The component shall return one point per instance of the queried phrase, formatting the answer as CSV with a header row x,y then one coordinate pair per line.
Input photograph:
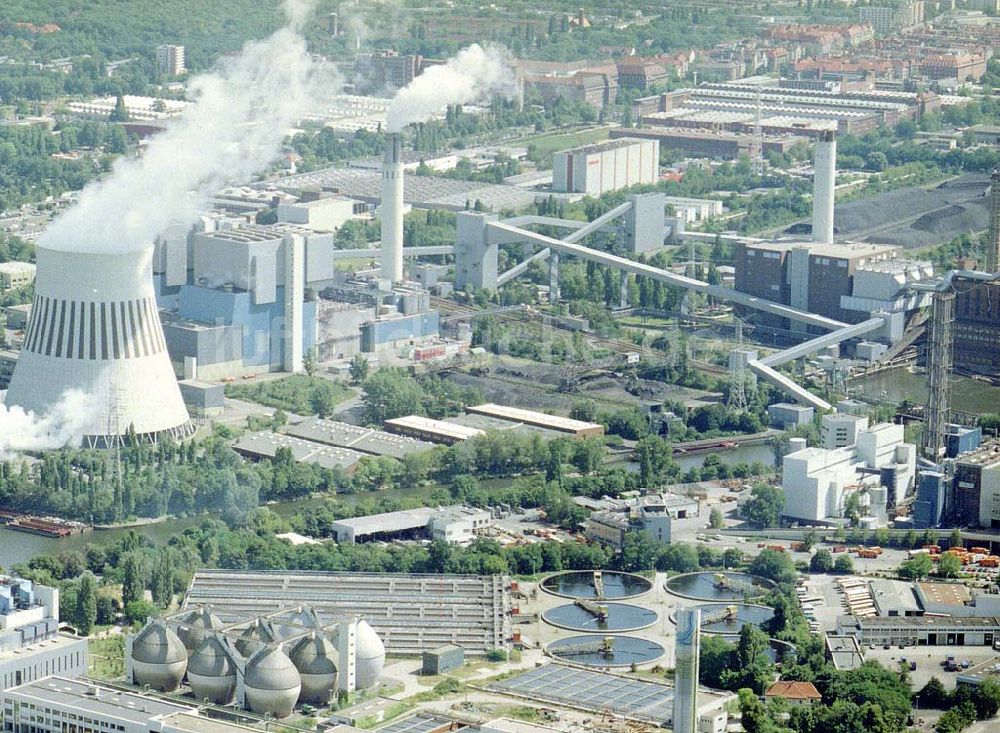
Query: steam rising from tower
x,y
473,75
824,183
94,343
392,209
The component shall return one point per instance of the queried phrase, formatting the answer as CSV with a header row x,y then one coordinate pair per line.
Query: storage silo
x,y
158,657
369,656
314,656
271,684
211,672
95,328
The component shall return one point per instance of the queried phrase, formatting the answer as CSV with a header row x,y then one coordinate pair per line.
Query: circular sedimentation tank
x,y
212,673
597,650
159,658
614,585
600,616
723,618
719,587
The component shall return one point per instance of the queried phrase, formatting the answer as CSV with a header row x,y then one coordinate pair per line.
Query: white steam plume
x,y
241,113
468,77
62,425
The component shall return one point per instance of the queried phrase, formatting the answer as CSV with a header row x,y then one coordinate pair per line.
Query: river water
x,y
967,395
17,547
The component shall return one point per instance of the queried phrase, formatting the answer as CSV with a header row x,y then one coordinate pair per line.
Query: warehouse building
x,y
456,525
360,439
265,444
575,428
410,612
435,431
894,598
697,143
607,166
921,630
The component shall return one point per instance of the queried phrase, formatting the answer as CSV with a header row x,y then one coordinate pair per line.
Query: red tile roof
x,y
794,691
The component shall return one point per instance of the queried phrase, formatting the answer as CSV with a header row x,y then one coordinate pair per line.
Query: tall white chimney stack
x,y
392,209
824,182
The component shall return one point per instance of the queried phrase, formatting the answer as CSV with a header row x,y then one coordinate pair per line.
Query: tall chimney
x,y
991,262
392,209
824,181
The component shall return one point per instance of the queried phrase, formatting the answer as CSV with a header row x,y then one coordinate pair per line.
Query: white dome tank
x,y
194,630
159,659
254,637
369,655
95,328
315,657
212,673
272,683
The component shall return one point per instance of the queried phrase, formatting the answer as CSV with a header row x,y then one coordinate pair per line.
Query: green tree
x,y
715,518
86,605
916,568
949,566
358,369
821,562
843,565
764,507
310,362
163,581
132,579
137,612
955,538
120,113
986,698
775,565
933,695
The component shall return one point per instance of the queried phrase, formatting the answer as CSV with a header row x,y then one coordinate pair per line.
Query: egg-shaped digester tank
x,y
197,627
159,658
315,657
212,673
272,683
369,656
254,637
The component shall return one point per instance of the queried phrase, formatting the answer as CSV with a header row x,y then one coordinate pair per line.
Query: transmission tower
x,y
939,343
741,382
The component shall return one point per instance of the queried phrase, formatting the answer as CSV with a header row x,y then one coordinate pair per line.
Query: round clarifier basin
x,y
718,587
596,650
583,584
729,618
600,617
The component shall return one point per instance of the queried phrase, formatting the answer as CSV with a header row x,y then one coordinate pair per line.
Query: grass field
x,y
544,145
107,657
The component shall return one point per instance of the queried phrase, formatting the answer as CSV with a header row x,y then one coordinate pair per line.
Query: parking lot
x,y
930,660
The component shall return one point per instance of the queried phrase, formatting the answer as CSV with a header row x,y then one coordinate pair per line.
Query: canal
x,y
967,395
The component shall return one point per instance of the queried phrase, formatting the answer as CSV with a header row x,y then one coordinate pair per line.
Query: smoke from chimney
x,y
470,76
241,113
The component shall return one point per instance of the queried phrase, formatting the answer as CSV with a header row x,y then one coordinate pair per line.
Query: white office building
x,y
170,60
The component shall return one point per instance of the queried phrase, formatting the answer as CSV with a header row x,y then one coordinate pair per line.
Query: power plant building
x,y
607,166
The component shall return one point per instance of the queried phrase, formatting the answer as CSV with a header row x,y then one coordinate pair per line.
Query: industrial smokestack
x,y
95,329
295,277
991,262
824,182
392,209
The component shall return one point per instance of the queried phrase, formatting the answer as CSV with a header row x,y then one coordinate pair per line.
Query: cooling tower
x,y
94,327
391,211
824,184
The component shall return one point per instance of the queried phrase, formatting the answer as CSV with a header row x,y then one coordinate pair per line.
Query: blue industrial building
x,y
931,495
961,439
